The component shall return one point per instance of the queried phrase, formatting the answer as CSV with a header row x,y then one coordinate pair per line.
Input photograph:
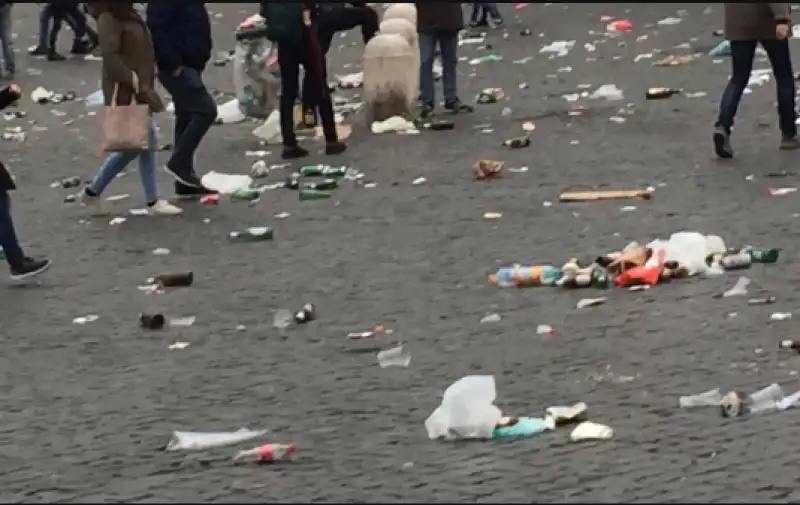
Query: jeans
x,y
8,237
448,44
342,19
116,162
742,53
195,112
482,10
6,40
289,59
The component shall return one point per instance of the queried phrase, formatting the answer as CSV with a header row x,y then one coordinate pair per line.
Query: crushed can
x,y
268,453
178,280
732,404
306,314
490,95
517,143
151,321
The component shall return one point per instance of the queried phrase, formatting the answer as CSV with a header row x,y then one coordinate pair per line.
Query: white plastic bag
x,y
226,184
467,410
197,441
256,76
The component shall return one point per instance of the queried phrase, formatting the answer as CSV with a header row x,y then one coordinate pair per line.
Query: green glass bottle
x,y
245,195
314,194
761,255
255,234
600,279
323,185
322,170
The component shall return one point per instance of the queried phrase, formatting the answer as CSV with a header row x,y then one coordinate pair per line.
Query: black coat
x,y
7,97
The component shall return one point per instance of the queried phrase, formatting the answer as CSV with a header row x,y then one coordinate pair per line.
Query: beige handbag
x,y
126,128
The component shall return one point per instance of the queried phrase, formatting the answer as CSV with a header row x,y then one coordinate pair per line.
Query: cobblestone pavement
x,y
86,410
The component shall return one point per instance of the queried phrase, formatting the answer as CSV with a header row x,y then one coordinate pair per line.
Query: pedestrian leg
x,y
742,52
6,39
781,60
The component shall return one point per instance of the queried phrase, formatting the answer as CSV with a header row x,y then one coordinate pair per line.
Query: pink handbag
x,y
126,128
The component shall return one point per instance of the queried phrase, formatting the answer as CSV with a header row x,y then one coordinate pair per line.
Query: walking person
x,y
292,26
335,17
51,20
438,24
181,34
21,266
129,72
7,41
482,12
746,26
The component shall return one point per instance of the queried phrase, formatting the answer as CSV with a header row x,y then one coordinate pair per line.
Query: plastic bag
x,y
256,76
467,410
197,441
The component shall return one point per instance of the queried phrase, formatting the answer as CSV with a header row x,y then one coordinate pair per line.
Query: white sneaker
x,y
93,203
164,208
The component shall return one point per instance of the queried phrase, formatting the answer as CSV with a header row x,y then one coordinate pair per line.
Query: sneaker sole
x,y
179,178
28,275
719,147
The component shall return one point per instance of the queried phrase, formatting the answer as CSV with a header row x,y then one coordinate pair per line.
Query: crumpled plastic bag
x,y
230,112
226,183
270,131
467,410
690,250
198,441
256,76
608,92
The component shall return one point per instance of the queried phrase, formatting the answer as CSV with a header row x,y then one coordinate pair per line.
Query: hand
x,y
783,31
177,72
15,89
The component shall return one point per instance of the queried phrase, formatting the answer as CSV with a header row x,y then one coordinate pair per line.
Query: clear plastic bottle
x,y
268,453
711,398
765,399
526,276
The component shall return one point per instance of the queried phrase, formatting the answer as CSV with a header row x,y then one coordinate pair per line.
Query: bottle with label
x,y
600,278
322,170
245,195
526,276
314,194
762,255
323,185
255,234
736,261
661,93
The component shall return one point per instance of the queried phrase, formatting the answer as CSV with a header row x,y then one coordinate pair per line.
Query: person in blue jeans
x,y
482,11
746,26
181,34
51,18
438,24
128,75
21,266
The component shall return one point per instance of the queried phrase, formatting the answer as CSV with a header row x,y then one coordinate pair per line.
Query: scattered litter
x,y
178,346
781,316
86,319
604,194
781,191
591,302
394,357
588,430
543,329
269,453
182,322
282,319
608,92
198,441
490,318
711,398
739,289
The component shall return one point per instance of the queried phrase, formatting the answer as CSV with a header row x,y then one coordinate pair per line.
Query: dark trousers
x,y
742,53
72,14
339,20
8,236
482,10
195,112
290,57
